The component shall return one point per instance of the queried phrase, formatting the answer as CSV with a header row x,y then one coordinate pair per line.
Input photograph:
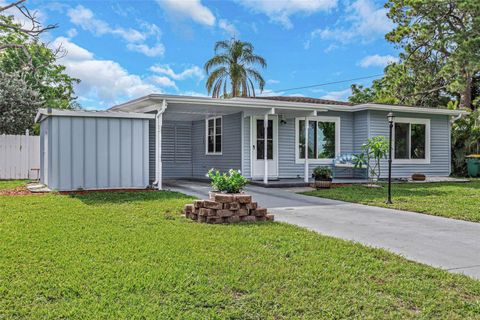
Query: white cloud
x,y
85,19
341,95
377,61
272,81
365,22
280,10
192,9
71,33
155,51
104,81
192,72
228,27
164,82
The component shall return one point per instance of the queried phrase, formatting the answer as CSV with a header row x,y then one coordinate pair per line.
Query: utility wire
x,y
328,83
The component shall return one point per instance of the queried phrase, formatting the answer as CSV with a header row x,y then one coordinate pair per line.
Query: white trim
x,y
410,121
158,145
242,143
144,103
253,155
44,113
337,122
214,136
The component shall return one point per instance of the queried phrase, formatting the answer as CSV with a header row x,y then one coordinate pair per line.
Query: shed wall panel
x,y
98,153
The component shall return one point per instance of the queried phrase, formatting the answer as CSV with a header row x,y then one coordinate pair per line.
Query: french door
x,y
258,147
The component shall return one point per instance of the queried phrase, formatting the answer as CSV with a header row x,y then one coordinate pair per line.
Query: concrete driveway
x,y
449,244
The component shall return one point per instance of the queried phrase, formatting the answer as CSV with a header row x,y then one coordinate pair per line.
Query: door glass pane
x,y
326,140
260,129
312,145
270,149
301,139
270,129
417,137
218,124
401,140
260,149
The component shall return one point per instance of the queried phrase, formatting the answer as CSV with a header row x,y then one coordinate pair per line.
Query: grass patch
x,y
131,255
451,200
11,184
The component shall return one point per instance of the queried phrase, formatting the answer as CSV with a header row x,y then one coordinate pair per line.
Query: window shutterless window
x,y
323,138
213,135
411,140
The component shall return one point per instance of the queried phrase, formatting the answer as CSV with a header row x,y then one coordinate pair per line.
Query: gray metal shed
x,y
89,150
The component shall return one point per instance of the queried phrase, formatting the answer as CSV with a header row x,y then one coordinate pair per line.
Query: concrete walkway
x,y
453,245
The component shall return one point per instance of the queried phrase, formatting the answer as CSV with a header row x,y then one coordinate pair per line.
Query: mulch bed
x,y
17,191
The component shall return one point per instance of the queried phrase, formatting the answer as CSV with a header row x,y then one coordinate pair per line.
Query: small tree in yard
x,y
372,153
18,103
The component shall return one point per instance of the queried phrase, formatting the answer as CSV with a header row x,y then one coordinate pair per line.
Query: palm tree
x,y
234,64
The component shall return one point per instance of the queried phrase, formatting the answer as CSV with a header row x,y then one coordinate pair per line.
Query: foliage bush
x,y
320,173
373,151
228,182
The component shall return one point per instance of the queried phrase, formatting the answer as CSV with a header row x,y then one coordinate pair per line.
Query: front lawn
x,y
451,200
10,184
132,256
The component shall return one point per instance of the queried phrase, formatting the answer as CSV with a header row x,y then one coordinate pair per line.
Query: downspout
x,y
158,144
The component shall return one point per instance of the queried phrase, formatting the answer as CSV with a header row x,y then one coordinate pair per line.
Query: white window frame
x,y
411,121
214,135
336,120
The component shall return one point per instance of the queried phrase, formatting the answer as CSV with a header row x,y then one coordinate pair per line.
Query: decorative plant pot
x,y
323,183
418,177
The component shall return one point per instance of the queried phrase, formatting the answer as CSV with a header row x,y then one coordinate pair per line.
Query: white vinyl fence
x,y
19,156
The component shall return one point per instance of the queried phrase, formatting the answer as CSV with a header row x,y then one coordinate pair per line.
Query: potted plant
x,y
323,177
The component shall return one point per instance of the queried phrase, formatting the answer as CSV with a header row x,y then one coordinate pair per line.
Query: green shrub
x,y
231,182
322,173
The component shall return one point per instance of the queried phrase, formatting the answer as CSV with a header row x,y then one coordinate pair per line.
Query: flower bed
x,y
227,208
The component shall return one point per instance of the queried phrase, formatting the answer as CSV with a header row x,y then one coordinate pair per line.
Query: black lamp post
x,y
390,118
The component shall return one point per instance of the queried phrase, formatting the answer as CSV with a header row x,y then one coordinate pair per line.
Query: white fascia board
x,y
44,113
386,107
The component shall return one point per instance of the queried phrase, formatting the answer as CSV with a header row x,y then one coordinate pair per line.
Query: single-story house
x,y
148,140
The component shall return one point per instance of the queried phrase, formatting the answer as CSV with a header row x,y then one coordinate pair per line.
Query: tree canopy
x,y
26,60
232,70
440,58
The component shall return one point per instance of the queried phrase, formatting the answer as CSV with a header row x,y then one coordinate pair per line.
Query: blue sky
x,y
125,49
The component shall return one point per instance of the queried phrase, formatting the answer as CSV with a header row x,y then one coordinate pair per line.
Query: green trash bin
x,y
473,165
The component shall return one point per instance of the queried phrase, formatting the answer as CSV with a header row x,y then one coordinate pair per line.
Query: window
x,y
323,138
214,135
411,140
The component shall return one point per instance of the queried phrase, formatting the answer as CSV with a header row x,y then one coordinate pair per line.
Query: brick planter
x,y
226,208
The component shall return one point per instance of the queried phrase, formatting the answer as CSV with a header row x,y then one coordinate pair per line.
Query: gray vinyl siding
x,y
97,153
231,147
439,145
287,168
360,130
183,148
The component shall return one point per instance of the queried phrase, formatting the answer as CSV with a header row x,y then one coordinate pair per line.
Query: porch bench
x,y
346,161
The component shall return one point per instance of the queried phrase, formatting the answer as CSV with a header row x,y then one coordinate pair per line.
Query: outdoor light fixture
x,y
390,118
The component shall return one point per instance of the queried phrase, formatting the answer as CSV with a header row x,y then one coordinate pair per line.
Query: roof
x,y
42,114
306,100
151,102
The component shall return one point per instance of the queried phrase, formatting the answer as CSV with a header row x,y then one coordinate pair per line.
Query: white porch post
x,y
158,144
305,174
265,144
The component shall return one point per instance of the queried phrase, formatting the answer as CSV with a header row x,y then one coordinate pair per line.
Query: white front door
x,y
258,147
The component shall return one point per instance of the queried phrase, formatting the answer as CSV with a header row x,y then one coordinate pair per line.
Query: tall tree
x,y
440,58
232,71
25,60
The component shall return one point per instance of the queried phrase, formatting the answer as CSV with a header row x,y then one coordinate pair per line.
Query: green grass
x,y
132,256
10,184
451,200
